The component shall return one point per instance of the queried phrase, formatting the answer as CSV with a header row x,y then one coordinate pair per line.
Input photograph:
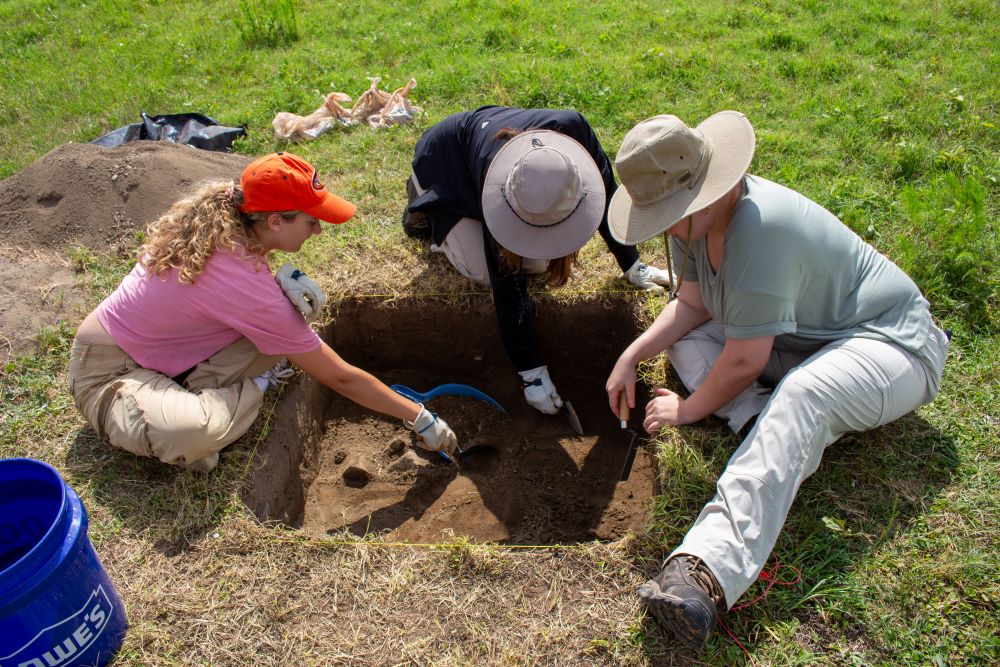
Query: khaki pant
x,y
464,248
148,414
849,385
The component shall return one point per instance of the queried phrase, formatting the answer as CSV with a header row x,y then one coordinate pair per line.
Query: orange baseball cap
x,y
286,182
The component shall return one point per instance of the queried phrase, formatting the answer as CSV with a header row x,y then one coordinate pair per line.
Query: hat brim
x,y
553,241
732,141
332,209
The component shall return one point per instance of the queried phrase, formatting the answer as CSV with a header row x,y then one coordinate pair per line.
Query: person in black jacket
x,y
541,183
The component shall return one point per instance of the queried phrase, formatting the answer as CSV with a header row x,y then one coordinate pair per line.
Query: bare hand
x,y
622,379
666,408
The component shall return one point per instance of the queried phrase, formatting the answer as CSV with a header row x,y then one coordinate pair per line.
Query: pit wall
x,y
579,341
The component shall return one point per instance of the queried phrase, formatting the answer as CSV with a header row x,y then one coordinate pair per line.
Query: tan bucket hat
x,y
669,170
544,196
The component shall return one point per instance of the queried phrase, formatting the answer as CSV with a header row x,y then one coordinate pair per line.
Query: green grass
x,y
268,24
884,113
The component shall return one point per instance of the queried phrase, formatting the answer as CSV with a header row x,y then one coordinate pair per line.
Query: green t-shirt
x,y
792,270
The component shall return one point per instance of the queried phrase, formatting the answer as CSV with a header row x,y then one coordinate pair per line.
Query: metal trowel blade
x,y
477,457
574,421
629,456
474,448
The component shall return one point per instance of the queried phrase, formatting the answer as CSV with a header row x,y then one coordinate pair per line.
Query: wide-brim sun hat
x,y
543,197
669,171
286,182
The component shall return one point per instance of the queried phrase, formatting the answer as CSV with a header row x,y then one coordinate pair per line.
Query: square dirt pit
x,y
330,465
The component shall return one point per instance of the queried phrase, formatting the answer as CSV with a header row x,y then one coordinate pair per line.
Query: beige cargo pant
x,y
849,385
147,413
464,248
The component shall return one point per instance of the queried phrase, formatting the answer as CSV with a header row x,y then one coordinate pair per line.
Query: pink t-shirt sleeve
x,y
252,303
170,327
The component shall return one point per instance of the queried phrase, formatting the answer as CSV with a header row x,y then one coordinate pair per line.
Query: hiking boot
x,y
685,599
416,225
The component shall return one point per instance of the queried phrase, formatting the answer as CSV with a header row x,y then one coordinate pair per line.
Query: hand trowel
x,y
623,413
574,421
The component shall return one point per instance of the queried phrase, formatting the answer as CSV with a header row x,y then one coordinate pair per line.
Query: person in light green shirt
x,y
786,324
790,269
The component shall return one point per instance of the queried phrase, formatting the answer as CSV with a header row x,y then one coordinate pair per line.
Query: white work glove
x,y
539,390
434,433
648,277
301,291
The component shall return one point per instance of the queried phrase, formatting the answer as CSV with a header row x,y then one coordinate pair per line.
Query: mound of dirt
x,y
95,196
88,195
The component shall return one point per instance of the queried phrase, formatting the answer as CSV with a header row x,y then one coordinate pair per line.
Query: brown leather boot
x,y
416,225
685,598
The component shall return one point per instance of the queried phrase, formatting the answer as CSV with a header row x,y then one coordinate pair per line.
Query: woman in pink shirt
x,y
175,362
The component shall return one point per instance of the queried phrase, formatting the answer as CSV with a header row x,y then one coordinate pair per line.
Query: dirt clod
x,y
396,447
408,462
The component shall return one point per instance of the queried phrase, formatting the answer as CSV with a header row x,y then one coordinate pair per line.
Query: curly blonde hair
x,y
187,235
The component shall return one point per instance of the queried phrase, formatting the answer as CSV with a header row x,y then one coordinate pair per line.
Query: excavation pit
x,y
329,465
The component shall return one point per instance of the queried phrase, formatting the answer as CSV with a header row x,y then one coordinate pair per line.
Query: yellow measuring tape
x,y
409,295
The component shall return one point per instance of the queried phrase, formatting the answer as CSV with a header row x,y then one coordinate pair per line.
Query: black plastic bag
x,y
194,129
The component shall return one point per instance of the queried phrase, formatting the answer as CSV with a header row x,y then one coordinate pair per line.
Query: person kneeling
x,y
505,193
174,364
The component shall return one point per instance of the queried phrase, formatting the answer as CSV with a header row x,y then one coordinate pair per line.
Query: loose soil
x,y
330,465
37,288
525,480
82,194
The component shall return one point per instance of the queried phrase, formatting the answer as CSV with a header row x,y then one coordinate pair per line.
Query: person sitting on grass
x,y
541,182
787,325
175,362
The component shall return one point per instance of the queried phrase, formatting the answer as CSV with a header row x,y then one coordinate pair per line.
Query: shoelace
x,y
699,571
276,377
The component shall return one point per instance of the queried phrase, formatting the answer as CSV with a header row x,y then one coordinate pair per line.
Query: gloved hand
x,y
301,291
648,277
435,434
539,390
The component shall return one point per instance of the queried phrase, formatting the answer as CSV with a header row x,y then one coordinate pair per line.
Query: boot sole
x,y
674,615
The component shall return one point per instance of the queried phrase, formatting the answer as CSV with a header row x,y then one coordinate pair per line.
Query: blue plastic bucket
x,y
57,604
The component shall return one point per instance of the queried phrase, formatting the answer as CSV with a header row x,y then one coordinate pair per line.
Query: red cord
x,y
771,577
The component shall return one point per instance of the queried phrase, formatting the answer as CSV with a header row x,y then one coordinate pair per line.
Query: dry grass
x,y
870,109
247,591
371,257
205,583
